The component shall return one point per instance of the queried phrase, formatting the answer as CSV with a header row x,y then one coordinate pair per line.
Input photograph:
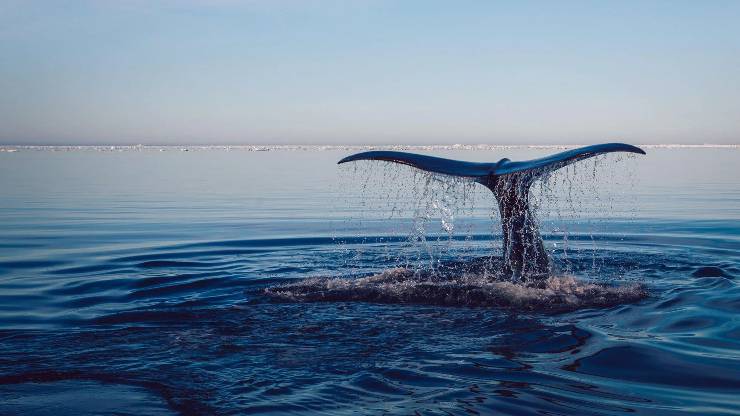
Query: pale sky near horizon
x,y
368,71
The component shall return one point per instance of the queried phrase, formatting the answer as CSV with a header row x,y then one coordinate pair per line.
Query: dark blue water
x,y
143,282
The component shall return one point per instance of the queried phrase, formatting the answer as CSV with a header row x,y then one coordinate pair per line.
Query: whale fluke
x,y
502,167
524,253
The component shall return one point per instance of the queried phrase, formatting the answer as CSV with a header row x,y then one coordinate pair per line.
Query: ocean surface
x,y
245,280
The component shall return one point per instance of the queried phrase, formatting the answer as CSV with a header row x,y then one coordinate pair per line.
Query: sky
x,y
369,72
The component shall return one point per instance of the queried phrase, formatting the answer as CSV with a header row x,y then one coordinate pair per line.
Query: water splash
x,y
581,200
469,288
429,209
433,210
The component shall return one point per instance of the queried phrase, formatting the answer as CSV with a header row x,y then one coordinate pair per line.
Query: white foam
x,y
401,285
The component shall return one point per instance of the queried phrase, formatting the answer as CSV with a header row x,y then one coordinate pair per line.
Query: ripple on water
x,y
709,271
81,398
651,365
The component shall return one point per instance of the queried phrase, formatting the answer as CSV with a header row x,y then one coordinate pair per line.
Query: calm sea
x,y
133,282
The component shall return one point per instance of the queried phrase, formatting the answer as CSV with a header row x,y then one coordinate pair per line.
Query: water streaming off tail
x,y
435,214
451,253
575,204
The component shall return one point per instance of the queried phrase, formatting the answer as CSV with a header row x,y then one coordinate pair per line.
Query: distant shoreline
x,y
287,147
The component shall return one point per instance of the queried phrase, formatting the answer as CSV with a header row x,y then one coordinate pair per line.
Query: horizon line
x,y
257,146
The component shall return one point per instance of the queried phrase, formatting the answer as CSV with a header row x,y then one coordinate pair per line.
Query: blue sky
x,y
369,71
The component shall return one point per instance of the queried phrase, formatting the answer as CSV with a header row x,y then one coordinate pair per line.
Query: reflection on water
x,y
140,278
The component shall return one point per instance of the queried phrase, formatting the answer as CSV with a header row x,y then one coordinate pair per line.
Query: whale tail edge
x,y
481,171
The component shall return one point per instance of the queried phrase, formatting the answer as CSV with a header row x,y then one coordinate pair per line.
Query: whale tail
x,y
482,171
524,253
